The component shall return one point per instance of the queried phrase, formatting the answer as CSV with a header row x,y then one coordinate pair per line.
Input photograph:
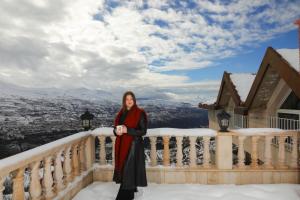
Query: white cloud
x,y
59,43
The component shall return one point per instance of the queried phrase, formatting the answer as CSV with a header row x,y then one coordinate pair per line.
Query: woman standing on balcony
x,y
130,170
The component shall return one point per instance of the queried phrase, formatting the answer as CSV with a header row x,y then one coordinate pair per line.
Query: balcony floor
x,y
108,191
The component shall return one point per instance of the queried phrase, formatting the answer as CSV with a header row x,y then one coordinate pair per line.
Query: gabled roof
x,y
243,88
234,85
282,63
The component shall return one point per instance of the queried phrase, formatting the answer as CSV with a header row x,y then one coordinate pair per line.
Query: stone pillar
x,y
281,152
68,165
224,150
241,152
48,179
113,139
75,162
18,185
35,188
153,154
58,172
2,179
193,154
166,158
90,151
82,160
102,152
268,152
294,159
179,155
254,153
206,154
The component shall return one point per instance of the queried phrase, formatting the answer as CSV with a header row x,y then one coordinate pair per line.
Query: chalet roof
x,y
276,64
247,88
235,85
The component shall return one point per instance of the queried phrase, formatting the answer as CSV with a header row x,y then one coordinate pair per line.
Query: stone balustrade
x,y
60,169
166,133
60,161
271,158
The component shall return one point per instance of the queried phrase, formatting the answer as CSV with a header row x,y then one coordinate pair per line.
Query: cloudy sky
x,y
157,48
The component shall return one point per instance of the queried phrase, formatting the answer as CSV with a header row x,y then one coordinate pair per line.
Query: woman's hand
x,y
124,129
119,132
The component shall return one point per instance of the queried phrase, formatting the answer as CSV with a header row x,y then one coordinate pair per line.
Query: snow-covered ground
x,y
108,191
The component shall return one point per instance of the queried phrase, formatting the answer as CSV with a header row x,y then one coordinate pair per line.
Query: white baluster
x,y
113,140
153,154
18,185
2,179
281,152
68,165
254,156
166,158
48,179
75,161
268,152
179,155
241,152
294,160
82,155
102,152
35,187
58,172
192,154
206,154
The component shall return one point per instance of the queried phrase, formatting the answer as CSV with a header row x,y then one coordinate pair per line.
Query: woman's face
x,y
129,101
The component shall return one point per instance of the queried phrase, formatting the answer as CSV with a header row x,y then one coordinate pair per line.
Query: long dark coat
x,y
134,172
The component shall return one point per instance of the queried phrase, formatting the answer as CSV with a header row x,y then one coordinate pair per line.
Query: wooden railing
x,y
69,164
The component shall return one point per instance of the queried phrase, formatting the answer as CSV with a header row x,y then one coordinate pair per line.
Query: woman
x,y
130,169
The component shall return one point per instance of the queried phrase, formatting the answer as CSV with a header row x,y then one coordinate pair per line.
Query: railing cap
x,y
108,131
262,131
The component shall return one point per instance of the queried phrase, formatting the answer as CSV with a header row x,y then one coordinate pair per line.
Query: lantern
x,y
223,120
86,120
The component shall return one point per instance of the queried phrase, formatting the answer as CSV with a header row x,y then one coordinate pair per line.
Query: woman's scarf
x,y
123,142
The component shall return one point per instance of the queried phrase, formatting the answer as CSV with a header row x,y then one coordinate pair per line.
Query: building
x,y
271,98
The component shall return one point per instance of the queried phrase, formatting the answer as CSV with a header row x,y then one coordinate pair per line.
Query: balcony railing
x,y
60,169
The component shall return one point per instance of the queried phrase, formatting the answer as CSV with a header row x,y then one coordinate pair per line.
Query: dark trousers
x,y
125,194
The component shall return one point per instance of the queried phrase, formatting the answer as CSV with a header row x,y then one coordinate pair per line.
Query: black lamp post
x,y
86,119
223,120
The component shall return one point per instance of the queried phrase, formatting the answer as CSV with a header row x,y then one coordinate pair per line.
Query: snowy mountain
x,y
53,113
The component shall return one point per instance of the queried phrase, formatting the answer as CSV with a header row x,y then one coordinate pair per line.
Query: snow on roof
x,y
292,56
163,131
243,83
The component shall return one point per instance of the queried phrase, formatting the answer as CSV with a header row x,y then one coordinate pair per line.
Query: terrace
x,y
61,169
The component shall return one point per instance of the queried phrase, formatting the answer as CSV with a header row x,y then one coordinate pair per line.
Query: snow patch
x,y
109,190
242,83
292,56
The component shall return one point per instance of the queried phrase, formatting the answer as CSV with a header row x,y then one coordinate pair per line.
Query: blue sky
x,y
249,61
160,49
